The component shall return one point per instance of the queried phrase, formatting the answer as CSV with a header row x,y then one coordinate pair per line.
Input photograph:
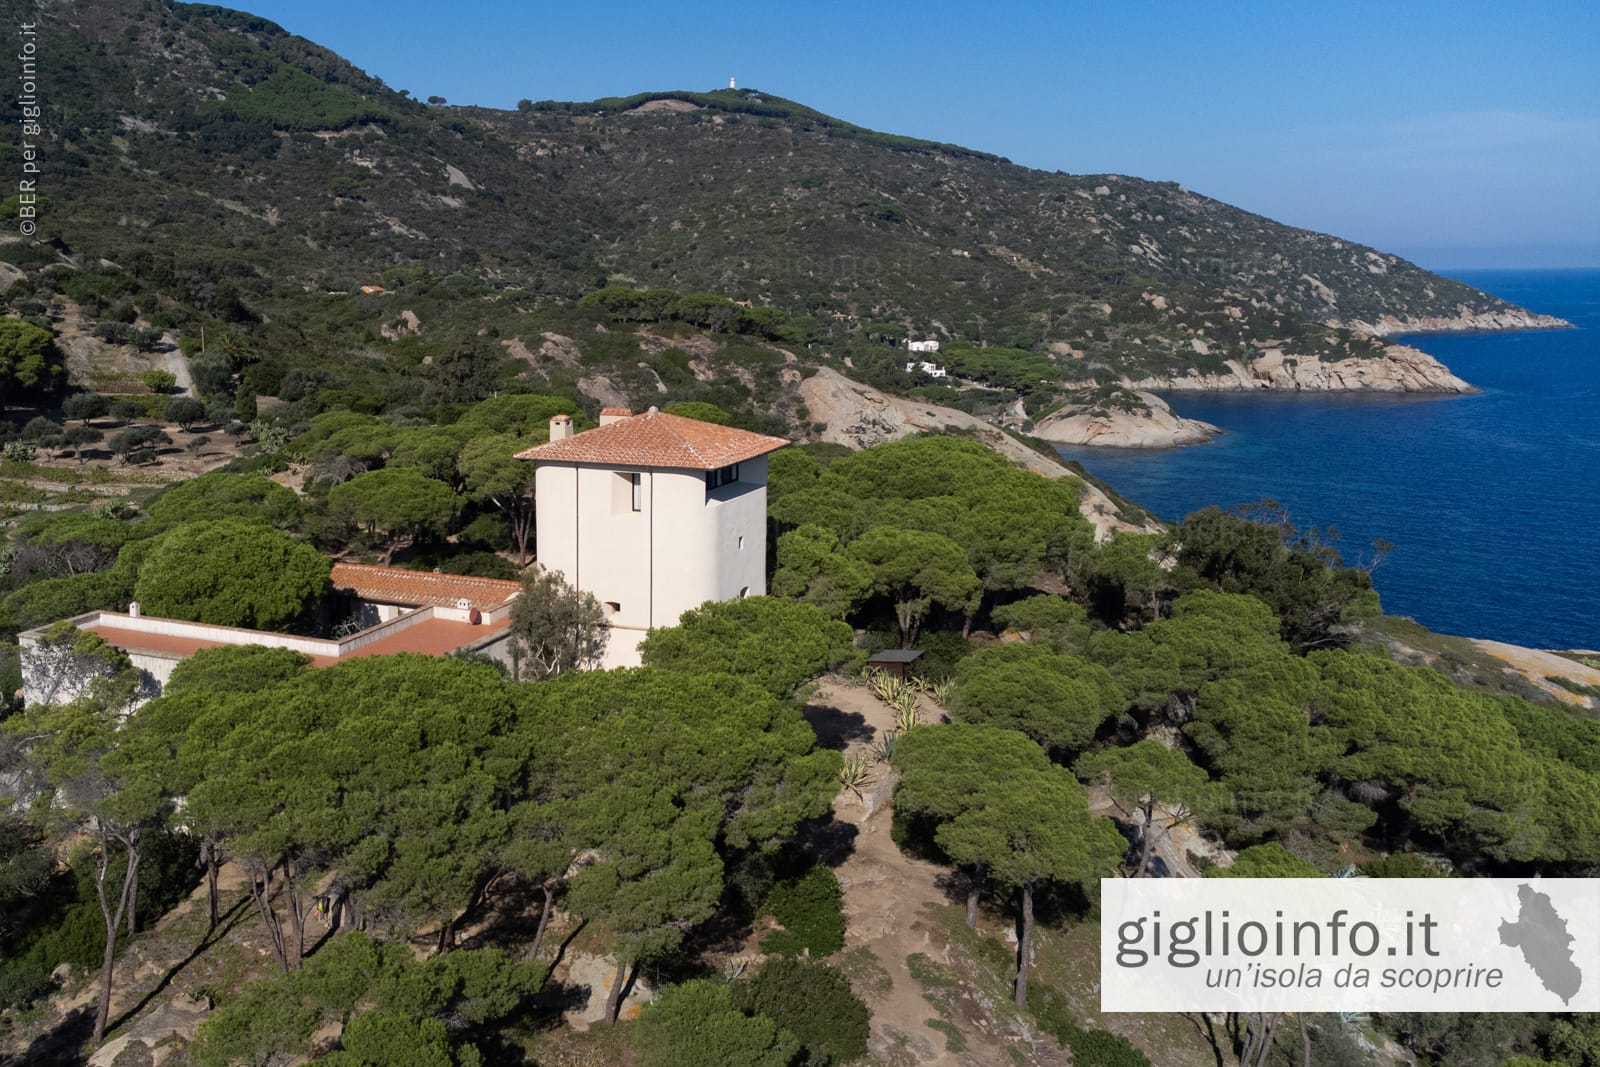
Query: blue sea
x,y
1492,500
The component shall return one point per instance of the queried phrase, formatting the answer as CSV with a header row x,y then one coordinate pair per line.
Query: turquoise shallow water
x,y
1492,500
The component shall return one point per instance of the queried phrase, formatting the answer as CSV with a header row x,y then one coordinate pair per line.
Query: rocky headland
x,y
1148,423
1401,369
1466,320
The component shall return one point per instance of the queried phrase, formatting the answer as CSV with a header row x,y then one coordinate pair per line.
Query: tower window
x,y
722,476
627,493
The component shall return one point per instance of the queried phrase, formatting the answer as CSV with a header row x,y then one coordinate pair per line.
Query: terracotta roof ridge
x,y
405,574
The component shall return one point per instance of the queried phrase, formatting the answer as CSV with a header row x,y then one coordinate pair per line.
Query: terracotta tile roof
x,y
436,637
171,645
615,411
396,585
657,439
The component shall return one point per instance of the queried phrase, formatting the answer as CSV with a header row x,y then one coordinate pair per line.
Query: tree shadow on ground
x,y
61,1046
548,1008
835,728
226,922
954,885
829,840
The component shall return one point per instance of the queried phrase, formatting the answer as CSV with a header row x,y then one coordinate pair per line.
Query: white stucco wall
x,y
684,546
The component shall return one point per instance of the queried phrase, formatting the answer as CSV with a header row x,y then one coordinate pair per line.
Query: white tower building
x,y
653,514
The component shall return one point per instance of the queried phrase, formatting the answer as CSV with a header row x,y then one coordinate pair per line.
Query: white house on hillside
x,y
653,514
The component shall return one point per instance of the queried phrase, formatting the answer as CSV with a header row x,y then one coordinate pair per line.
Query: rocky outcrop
x,y
1400,369
1464,321
1156,425
859,416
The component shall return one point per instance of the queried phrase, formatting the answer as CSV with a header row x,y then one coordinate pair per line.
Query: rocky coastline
x,y
1464,321
1401,369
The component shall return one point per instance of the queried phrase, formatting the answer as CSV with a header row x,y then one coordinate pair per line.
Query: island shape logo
x,y
1540,932
1350,944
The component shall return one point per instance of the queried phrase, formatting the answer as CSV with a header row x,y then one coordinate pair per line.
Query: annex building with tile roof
x,y
654,514
392,610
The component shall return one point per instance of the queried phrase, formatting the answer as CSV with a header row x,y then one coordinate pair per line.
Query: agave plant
x,y
906,715
883,751
887,688
939,692
856,772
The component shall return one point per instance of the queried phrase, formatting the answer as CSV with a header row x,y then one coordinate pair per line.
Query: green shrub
x,y
698,1023
412,1012
1270,860
941,651
1403,865
808,908
816,1004
64,924
1090,1048
159,381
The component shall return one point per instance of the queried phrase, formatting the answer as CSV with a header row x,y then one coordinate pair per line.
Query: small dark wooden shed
x,y
895,662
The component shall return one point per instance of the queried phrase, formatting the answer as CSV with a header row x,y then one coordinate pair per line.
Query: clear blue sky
x,y
1461,134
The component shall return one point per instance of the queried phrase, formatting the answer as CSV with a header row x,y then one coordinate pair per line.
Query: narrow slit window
x,y
638,491
722,476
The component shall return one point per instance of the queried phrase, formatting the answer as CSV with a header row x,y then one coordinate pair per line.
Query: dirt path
x,y
889,898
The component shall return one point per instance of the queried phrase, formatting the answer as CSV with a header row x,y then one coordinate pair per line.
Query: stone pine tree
x,y
495,476
944,773
232,572
1031,829
918,570
654,774
392,505
1059,701
779,644
1148,775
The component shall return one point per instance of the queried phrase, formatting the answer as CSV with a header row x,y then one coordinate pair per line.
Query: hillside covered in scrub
x,y
225,176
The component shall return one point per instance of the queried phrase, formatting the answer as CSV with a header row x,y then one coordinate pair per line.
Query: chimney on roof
x,y
560,427
610,415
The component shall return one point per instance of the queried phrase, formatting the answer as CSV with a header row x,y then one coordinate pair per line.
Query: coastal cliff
x,y
1466,320
1401,369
